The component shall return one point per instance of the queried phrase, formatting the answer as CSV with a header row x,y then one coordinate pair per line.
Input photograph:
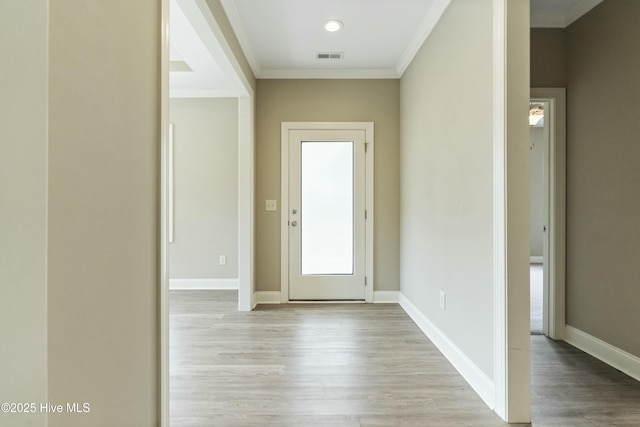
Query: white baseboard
x,y
267,297
212,284
478,380
536,259
386,297
273,297
619,359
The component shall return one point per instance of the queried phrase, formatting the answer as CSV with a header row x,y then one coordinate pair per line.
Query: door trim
x,y
555,259
286,127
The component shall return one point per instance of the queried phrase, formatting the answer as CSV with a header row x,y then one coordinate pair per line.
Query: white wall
x,y
537,143
23,201
446,180
205,188
447,197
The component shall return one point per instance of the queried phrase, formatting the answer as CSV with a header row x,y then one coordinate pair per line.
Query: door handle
x,y
294,223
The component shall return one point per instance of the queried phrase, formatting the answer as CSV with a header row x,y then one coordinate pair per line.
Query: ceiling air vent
x,y
331,55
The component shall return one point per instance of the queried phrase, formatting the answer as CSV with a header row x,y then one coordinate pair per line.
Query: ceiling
x,y
194,70
559,13
282,38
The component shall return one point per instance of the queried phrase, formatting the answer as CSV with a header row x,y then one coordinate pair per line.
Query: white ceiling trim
x,y
192,38
233,15
424,30
202,93
561,19
222,52
330,73
427,25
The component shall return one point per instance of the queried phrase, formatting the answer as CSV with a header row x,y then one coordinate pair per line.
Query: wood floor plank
x,y
357,365
571,388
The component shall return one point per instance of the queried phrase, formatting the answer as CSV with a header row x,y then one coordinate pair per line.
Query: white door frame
x,y
554,258
286,127
222,52
511,370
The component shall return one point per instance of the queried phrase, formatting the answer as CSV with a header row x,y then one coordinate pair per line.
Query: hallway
x,y
535,286
310,365
358,365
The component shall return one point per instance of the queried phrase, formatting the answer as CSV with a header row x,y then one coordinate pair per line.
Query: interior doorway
x,y
547,120
539,140
327,211
197,18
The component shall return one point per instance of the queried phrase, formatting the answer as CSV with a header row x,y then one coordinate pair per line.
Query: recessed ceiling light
x,y
332,25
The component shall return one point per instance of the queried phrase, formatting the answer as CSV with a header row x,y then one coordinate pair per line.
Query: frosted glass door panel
x,y
326,221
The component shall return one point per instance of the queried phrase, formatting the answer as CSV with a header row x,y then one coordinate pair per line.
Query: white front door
x,y
326,214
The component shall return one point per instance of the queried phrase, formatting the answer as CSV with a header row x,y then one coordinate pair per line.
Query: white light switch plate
x,y
271,205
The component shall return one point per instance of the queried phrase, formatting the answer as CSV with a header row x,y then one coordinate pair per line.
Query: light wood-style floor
x,y
357,365
569,388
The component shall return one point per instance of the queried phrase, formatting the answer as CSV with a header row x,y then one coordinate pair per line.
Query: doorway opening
x,y
547,120
204,54
327,212
539,140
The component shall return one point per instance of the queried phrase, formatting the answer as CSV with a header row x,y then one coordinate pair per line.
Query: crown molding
x,y
233,15
425,28
203,93
330,73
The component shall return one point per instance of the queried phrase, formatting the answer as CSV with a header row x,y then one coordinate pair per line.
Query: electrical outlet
x,y
222,260
443,300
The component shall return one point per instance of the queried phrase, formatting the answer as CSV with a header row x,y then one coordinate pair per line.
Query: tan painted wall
x,y
446,179
328,100
548,57
23,198
205,188
517,216
603,172
103,211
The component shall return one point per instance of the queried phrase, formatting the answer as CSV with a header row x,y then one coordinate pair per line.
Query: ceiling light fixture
x,y
536,114
333,25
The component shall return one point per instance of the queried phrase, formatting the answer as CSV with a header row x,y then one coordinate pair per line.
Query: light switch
x,y
271,205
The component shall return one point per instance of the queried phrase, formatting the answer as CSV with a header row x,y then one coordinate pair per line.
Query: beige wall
x,y
103,211
205,188
446,179
548,57
82,295
23,198
603,172
518,337
328,100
